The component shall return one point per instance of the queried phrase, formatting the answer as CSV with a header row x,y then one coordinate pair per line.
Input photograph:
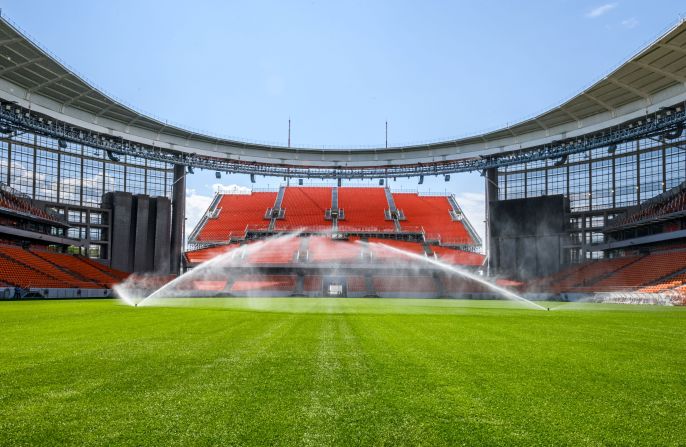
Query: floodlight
x,y
561,161
62,144
190,169
111,156
447,177
252,178
218,174
421,179
300,181
380,182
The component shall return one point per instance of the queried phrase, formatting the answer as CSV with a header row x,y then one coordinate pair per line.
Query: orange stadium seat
x,y
69,278
205,254
356,284
312,283
412,247
18,274
305,208
13,202
118,274
324,249
433,214
458,257
236,212
76,264
247,283
278,251
645,271
364,210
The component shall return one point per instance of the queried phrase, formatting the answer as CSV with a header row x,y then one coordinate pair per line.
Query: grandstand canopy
x,y
652,79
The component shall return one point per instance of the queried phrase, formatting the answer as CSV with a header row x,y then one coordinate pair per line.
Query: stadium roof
x,y
652,79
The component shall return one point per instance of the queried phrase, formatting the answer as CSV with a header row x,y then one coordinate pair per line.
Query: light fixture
x,y
300,181
447,177
190,169
380,182
252,178
111,156
421,179
218,174
62,144
339,182
561,161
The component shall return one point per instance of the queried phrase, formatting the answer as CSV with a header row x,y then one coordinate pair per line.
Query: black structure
x,y
141,236
526,236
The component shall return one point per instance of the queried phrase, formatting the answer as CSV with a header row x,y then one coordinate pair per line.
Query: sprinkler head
x,y
548,309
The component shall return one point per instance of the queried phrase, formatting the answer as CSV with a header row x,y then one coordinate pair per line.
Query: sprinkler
x,y
548,309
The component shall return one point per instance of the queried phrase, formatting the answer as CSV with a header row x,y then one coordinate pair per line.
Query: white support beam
x,y
673,76
602,104
11,40
47,83
540,123
570,114
77,97
669,46
18,66
633,90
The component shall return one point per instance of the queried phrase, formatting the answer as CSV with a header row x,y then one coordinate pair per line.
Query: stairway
x,y
277,206
392,208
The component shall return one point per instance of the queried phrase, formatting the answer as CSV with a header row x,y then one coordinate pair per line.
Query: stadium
x,y
312,287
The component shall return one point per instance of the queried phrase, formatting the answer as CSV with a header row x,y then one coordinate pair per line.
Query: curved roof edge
x,y
654,78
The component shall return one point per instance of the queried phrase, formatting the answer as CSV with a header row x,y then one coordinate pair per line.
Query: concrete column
x,y
162,235
120,204
150,240
141,255
178,217
491,176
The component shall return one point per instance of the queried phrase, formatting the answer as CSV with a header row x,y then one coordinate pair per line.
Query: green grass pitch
x,y
341,372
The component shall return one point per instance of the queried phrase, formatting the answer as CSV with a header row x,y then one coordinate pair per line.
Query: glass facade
x,y
73,180
599,184
76,175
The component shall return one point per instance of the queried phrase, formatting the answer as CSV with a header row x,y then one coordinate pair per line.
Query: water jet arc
x,y
465,274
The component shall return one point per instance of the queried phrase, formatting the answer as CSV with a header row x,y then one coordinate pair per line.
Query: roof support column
x,y
178,217
491,181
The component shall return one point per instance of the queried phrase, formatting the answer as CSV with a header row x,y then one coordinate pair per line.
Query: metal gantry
x,y
663,123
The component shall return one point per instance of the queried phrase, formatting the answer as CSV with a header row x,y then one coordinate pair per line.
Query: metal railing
x,y
15,118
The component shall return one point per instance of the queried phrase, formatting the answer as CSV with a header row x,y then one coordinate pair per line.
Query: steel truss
x,y
662,123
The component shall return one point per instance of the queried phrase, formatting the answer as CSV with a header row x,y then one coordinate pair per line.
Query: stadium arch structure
x,y
612,146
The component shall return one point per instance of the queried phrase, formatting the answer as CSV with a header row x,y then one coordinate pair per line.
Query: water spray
x,y
465,274
236,261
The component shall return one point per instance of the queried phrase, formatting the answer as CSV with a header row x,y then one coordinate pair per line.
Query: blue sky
x,y
339,70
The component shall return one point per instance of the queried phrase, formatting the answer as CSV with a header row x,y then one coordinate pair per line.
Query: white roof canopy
x,y
654,78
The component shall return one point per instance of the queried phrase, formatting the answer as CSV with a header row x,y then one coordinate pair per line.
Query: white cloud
x,y
474,207
600,10
196,205
630,23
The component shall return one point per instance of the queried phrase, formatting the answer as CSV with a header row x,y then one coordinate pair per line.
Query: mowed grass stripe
x,y
341,372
